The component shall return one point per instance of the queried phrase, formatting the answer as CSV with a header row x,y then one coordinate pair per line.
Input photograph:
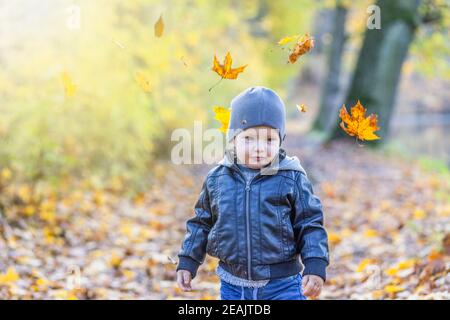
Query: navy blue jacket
x,y
257,229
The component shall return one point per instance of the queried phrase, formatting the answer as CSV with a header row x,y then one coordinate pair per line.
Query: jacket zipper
x,y
247,219
247,215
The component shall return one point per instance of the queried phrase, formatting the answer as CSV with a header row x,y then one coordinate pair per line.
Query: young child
x,y
257,212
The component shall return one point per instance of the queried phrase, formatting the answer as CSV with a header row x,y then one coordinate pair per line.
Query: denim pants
x,y
288,288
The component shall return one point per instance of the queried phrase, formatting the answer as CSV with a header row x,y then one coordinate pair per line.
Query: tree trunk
x,y
331,89
380,61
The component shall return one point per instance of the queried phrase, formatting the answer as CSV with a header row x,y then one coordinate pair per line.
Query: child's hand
x,y
184,280
312,285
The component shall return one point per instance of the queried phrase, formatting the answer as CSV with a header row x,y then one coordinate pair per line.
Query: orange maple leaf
x,y
358,124
225,70
303,45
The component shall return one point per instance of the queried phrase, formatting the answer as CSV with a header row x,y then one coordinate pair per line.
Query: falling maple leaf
x,y
69,87
159,27
142,81
121,46
358,124
287,39
225,70
184,62
223,116
303,45
301,108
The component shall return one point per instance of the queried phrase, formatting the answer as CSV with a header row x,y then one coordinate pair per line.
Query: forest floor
x,y
387,219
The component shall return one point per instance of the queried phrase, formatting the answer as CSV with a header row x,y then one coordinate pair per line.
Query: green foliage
x,y
430,50
111,127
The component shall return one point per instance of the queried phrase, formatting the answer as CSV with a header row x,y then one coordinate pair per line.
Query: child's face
x,y
256,147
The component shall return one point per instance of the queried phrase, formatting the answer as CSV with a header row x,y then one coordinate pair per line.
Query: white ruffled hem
x,y
232,279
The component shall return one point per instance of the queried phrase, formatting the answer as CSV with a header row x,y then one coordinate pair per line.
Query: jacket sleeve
x,y
311,237
193,249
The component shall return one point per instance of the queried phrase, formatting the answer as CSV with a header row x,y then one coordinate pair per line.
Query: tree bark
x,y
377,73
331,88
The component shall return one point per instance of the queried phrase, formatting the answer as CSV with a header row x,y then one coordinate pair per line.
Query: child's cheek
x,y
242,152
272,151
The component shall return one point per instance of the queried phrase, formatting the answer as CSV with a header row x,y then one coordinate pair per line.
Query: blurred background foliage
x,y
111,128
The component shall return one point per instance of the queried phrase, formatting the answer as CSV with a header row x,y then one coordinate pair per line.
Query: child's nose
x,y
260,146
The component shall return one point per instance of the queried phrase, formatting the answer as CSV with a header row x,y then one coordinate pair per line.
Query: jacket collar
x,y
284,162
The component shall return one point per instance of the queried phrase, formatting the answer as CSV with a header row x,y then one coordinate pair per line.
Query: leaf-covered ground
x,y
388,224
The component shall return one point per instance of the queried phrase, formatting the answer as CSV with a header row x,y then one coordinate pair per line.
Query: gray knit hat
x,y
256,106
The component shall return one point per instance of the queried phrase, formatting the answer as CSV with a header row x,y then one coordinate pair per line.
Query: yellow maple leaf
x,y
211,265
402,265
129,274
334,238
288,39
42,282
392,271
362,266
419,214
407,264
115,260
301,108
5,174
63,294
224,70
223,116
48,216
393,289
9,276
142,81
358,124
370,233
159,27
303,45
377,294
24,193
29,210
69,87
